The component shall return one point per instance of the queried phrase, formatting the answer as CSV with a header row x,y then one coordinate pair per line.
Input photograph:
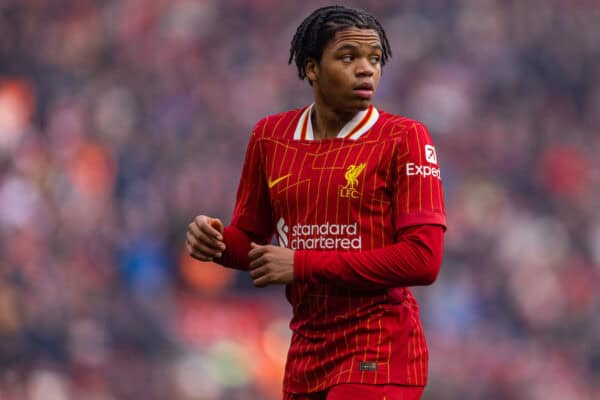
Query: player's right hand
x,y
204,239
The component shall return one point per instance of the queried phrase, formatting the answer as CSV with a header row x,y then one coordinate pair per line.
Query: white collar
x,y
354,129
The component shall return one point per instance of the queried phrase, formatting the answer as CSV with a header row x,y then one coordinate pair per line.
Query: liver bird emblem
x,y
352,174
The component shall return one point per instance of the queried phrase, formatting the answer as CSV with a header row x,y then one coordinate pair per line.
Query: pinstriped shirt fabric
x,y
350,193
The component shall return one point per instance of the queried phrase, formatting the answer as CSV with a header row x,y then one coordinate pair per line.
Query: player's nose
x,y
364,67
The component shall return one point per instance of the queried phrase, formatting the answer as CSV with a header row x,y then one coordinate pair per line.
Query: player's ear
x,y
312,69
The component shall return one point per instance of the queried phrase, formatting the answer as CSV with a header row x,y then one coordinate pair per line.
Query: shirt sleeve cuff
x,y
302,267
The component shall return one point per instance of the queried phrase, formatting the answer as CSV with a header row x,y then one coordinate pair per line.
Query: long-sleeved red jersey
x,y
365,215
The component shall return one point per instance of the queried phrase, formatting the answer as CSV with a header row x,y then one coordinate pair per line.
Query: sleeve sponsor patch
x,y
430,154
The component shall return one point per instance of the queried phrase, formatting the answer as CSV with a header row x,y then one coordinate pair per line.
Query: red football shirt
x,y
338,203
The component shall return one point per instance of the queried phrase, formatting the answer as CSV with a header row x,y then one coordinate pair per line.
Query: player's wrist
x,y
299,266
303,267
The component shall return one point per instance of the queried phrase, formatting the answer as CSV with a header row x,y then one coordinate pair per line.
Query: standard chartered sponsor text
x,y
325,237
322,243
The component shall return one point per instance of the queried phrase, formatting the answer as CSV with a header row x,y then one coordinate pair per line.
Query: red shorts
x,y
362,392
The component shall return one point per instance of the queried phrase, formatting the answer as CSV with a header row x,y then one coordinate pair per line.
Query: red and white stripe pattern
x,y
354,129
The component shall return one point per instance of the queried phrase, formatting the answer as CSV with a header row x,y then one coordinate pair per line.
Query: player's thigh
x,y
304,396
374,392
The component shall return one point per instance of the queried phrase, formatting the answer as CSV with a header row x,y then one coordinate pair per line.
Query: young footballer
x,y
354,197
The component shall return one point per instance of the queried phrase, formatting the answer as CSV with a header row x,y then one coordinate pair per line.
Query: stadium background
x,y
121,120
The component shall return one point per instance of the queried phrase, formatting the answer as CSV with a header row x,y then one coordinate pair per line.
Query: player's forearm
x,y
237,246
414,260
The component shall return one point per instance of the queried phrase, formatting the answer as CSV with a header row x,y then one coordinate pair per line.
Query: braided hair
x,y
319,27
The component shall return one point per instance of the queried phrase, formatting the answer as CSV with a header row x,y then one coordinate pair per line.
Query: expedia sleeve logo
x,y
430,154
351,175
425,171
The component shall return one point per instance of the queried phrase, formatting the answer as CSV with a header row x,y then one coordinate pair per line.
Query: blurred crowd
x,y
122,120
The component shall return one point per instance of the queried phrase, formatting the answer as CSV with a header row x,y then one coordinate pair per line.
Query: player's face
x,y
346,78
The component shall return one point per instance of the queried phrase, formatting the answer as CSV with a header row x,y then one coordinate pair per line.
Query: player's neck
x,y
327,123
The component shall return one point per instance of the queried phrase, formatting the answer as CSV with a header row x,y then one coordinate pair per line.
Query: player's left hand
x,y
271,265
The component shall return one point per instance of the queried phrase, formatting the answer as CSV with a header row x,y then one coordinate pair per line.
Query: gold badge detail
x,y
351,175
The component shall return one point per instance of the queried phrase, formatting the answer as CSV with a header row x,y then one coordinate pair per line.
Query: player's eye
x,y
347,58
375,59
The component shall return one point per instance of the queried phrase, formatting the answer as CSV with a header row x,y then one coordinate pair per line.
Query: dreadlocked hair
x,y
319,27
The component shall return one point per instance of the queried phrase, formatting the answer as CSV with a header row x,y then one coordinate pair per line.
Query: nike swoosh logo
x,y
276,181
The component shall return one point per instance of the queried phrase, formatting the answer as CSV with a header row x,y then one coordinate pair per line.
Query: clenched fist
x,y
205,238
